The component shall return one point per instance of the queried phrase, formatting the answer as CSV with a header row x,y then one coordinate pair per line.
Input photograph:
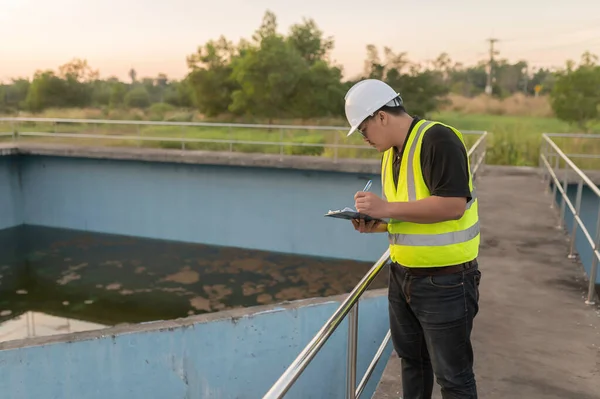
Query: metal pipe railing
x,y
187,124
186,140
285,382
350,306
227,139
550,151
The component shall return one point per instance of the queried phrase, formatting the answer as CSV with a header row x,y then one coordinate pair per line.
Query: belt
x,y
433,271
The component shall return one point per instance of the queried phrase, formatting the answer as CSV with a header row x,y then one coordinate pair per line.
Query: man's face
x,y
374,132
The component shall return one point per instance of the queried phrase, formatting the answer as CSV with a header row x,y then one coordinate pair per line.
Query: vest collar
x,y
398,152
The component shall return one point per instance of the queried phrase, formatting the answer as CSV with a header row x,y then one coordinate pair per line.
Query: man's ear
x,y
383,117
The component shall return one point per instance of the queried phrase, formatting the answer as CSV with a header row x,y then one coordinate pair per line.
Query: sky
x,y
156,36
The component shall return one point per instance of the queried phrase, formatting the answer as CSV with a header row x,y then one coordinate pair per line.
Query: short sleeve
x,y
444,163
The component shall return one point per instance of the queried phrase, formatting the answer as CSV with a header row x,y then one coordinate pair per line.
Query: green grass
x,y
513,140
516,140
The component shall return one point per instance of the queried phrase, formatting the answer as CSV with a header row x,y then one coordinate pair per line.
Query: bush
x,y
158,111
138,97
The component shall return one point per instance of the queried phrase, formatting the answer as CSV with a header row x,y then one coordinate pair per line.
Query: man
x,y
433,227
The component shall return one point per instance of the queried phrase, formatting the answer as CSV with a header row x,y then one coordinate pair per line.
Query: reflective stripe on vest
x,y
440,239
412,192
383,178
434,240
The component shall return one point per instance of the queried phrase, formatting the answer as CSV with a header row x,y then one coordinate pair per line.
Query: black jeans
x,y
431,318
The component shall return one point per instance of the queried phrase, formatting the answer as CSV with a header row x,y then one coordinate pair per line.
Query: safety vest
x,y
426,245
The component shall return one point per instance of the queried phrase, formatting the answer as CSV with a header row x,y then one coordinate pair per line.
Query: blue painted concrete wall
x,y
228,358
257,208
10,193
589,215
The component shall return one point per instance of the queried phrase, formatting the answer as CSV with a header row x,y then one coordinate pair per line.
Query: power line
x,y
535,56
593,41
555,34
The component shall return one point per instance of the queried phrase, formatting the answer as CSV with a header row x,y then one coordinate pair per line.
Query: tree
x,y
138,97
421,90
78,70
267,74
510,78
13,95
319,93
210,77
575,97
272,75
308,39
118,90
46,90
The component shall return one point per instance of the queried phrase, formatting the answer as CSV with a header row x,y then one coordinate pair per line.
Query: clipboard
x,y
349,214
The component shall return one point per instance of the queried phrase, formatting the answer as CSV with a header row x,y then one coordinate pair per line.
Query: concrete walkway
x,y
534,336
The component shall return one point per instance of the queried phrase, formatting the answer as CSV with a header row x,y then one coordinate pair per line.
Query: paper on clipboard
x,y
349,214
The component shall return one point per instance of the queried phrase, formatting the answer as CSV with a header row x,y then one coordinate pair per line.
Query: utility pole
x,y
488,86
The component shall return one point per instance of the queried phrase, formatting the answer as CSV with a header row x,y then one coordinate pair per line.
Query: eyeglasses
x,y
363,130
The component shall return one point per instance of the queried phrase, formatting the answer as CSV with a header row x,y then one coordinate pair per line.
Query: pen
x,y
368,186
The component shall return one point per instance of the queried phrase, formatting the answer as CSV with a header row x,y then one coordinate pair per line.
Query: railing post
x,y
348,307
281,143
352,343
14,131
371,368
137,127
335,145
484,151
182,141
541,152
547,175
550,160
594,268
543,157
574,229
554,184
563,202
484,155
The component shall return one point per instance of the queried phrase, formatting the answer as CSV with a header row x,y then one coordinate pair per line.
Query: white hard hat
x,y
366,97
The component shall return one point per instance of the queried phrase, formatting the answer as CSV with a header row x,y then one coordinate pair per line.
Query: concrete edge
x,y
161,325
301,162
8,149
298,162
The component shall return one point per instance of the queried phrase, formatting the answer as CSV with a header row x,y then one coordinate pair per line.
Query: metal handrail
x,y
189,124
231,141
284,383
170,123
573,135
185,139
558,154
350,307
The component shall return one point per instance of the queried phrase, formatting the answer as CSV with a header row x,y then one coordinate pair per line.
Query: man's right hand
x,y
369,227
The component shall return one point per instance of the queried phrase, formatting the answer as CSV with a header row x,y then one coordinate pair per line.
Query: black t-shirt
x,y
444,162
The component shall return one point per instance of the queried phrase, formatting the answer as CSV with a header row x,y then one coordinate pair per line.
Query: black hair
x,y
397,110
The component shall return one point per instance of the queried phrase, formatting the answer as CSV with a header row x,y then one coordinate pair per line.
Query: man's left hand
x,y
370,204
